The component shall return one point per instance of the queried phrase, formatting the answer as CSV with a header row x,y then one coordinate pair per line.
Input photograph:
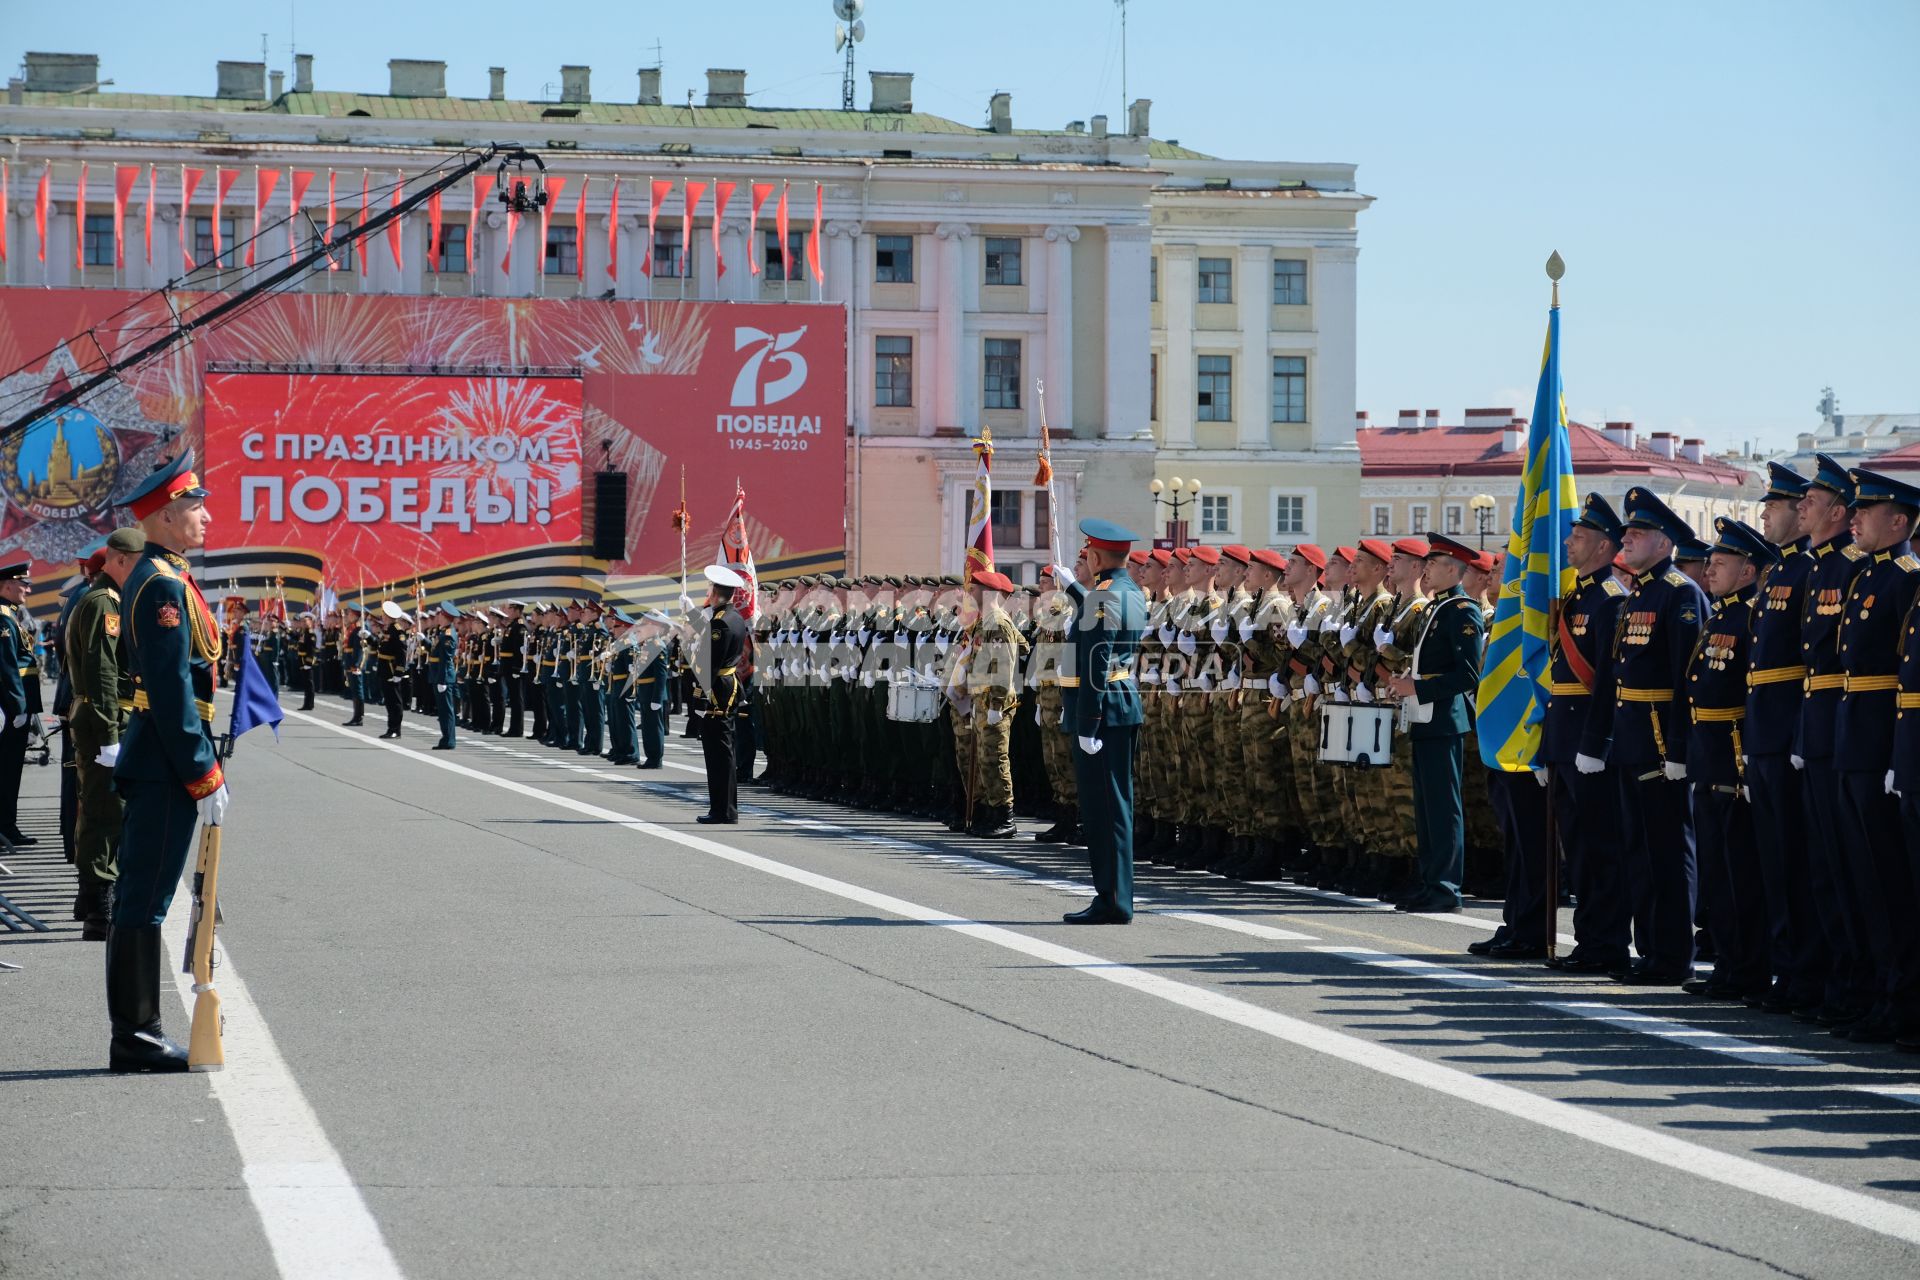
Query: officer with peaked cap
x,y
442,673
1826,518
168,770
1102,712
1663,614
1732,896
622,748
649,682
1798,956
1872,633
717,656
17,700
392,652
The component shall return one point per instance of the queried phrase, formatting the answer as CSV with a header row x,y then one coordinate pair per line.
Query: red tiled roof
x,y
1905,458
1469,451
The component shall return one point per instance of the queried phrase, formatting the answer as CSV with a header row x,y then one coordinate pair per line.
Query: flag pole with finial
x,y
1556,268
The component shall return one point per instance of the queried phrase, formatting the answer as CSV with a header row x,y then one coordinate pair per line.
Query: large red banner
x,y
387,476
752,394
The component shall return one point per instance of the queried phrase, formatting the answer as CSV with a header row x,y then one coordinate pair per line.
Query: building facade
x,y
975,265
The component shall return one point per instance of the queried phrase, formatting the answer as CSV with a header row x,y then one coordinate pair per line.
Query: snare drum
x,y
1371,735
1335,719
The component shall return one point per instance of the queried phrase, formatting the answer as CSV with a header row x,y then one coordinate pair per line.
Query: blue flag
x,y
254,703
1514,676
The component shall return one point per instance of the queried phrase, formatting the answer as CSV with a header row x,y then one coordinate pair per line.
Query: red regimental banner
x,y
385,476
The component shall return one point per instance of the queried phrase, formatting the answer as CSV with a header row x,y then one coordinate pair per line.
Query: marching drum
x,y
1334,719
912,701
1356,733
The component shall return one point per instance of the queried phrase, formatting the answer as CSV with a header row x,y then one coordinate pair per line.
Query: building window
x,y
1215,402
670,258
563,251
1289,282
1153,278
1289,515
1003,260
1419,512
1216,513
1003,373
1216,280
1289,388
1382,520
775,265
893,259
1153,386
1005,516
453,247
96,245
230,251
892,373
1453,515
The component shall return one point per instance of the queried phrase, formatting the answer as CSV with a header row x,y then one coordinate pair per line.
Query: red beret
x,y
1162,557
1485,562
1234,551
1311,554
1272,559
1345,553
1415,547
1136,557
1207,555
1378,548
1183,554
95,562
994,582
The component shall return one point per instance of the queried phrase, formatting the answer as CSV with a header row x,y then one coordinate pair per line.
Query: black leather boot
x,y
1061,830
94,918
994,822
133,1003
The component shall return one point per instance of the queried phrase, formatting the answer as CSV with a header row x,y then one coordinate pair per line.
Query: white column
x,y
1059,255
1130,336
841,237
1331,381
949,286
1253,380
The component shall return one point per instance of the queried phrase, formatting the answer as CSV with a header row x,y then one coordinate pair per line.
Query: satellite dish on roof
x,y
859,31
848,10
839,37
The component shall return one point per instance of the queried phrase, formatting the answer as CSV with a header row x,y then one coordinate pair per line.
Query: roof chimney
x,y
1360,420
1137,117
1620,433
1662,443
496,83
416,78
1000,113
64,73
1409,418
1433,420
1099,126
276,84
892,90
649,86
303,73
726,88
16,91
1511,436
1694,450
575,84
241,79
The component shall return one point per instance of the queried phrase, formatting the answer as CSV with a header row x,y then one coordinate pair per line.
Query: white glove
x,y
1091,746
1276,687
213,809
1340,696
18,720
993,715
1890,790
1310,687
940,642
1363,694
686,603
1166,634
1232,680
439,688
1296,635
1062,576
866,679
1382,637
1246,630
1218,630
1173,686
865,634
1540,776
1329,623
1797,762
1186,643
1149,675
1675,772
1206,682
110,756
1588,764
1347,634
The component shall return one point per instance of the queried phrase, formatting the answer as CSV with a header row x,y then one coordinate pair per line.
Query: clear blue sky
x,y
1735,185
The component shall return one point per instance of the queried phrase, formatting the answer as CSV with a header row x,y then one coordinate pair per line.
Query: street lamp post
x,y
1181,495
1482,505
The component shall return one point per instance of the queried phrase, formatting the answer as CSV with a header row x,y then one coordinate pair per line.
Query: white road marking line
x,y
316,1221
1910,1096
1461,918
1418,968
1656,1147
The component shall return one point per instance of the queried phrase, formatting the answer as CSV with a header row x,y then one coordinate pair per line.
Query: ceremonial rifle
x,y
204,1050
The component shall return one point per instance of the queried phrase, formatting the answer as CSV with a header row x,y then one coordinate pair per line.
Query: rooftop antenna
x,y
846,36
1123,57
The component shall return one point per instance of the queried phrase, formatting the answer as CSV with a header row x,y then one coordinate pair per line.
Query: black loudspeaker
x,y
610,515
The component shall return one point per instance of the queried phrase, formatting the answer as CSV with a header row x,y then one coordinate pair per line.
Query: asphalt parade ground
x,y
509,1011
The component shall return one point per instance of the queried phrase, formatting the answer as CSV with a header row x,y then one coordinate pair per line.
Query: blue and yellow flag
x,y
1513,681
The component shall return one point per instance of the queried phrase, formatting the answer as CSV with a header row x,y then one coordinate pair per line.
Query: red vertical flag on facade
x,y
366,196
189,179
80,221
482,188
152,182
264,181
759,193
223,180
326,234
738,554
780,226
813,240
41,198
433,232
298,180
124,176
658,196
580,233
722,192
694,191
613,232
393,226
